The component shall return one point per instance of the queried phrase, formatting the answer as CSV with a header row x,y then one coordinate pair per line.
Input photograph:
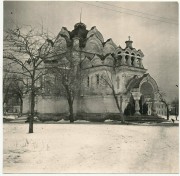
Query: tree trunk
x,y
167,112
31,118
70,102
21,106
71,116
176,114
118,106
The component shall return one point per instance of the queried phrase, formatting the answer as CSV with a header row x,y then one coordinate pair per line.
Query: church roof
x,y
92,42
83,34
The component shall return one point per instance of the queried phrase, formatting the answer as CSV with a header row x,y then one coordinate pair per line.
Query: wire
x,y
125,12
137,11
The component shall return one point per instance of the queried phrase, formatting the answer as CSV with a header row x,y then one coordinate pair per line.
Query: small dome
x,y
109,60
86,63
64,32
96,33
96,61
109,47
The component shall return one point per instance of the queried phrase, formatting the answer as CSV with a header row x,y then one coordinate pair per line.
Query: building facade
x,y
103,65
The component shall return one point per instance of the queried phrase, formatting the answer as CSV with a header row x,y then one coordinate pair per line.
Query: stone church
x,y
136,90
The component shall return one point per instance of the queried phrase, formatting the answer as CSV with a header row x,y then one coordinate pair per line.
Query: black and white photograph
x,y
90,87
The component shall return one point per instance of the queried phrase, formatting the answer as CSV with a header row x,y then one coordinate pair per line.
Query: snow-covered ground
x,y
90,148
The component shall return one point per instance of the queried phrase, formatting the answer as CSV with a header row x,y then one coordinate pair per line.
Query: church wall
x,y
26,104
95,87
98,104
85,104
48,104
51,105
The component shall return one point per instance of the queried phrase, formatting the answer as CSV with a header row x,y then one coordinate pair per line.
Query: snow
x,y
170,117
90,148
10,117
62,121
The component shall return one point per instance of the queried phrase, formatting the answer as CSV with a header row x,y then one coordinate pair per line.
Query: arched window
x,y
132,58
126,56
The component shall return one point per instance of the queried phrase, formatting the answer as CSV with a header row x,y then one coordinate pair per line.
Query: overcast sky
x,y
158,40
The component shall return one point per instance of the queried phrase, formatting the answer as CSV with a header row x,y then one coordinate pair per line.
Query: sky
x,y
152,26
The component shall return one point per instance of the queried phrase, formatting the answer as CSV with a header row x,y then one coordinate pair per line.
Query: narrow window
x,y
88,81
97,79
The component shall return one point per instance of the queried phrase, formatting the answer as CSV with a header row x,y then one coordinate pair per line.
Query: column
x,y
140,63
121,101
153,108
137,108
149,109
136,96
123,60
135,63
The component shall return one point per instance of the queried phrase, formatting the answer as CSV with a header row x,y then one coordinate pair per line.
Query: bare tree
x,y
107,79
6,83
68,73
162,96
28,49
175,105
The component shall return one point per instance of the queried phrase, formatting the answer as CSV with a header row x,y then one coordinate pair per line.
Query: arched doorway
x,y
147,98
144,90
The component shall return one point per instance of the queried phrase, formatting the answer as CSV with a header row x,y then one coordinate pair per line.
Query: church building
x,y
136,90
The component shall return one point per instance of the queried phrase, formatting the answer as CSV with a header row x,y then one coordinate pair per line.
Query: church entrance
x,y
144,92
147,98
145,102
